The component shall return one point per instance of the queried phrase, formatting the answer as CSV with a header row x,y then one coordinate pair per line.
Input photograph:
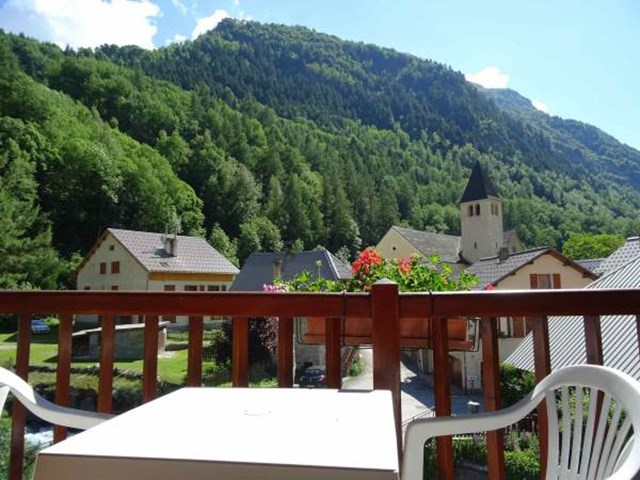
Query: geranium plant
x,y
412,275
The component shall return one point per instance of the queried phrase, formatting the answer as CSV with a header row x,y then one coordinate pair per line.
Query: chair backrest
x,y
52,413
594,425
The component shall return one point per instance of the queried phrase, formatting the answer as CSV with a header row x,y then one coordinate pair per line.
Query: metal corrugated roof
x,y
566,334
258,269
194,254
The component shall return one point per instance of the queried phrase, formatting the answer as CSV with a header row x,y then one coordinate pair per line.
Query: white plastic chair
x,y
50,412
606,450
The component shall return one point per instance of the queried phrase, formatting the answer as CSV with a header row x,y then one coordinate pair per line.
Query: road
x,y
417,396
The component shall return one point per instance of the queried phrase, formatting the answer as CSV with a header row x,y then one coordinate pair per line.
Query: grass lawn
x,y
44,351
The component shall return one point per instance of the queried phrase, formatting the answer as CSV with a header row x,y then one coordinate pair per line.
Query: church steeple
x,y
479,186
480,217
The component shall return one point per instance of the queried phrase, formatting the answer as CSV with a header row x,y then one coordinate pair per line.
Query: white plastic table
x,y
236,433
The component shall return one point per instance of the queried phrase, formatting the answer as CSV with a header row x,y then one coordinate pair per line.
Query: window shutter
x,y
533,281
556,281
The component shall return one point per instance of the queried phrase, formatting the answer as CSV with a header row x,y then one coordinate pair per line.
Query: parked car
x,y
313,377
39,326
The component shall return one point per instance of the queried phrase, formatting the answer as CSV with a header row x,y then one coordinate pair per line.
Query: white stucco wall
x,y
481,235
132,275
546,264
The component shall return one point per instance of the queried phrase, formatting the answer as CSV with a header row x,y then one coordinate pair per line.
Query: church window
x,y
471,210
477,209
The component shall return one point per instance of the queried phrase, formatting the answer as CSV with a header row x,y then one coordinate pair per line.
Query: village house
x,y
621,270
262,269
147,261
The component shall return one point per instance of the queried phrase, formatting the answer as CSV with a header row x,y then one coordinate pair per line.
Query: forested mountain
x,y
262,137
576,141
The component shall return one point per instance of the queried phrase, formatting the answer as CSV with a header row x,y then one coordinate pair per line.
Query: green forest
x,y
263,137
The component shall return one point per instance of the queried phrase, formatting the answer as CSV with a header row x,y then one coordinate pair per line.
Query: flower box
x,y
414,332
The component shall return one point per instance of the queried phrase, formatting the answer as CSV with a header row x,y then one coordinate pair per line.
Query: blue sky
x,y
573,58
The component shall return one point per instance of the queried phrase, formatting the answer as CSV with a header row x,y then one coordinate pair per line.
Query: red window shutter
x,y
533,280
556,281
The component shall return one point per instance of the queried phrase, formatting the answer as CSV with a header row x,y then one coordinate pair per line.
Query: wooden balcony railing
x,y
383,305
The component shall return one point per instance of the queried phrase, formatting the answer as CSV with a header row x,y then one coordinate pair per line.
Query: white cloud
x,y
489,77
180,6
540,106
83,23
236,2
205,24
177,38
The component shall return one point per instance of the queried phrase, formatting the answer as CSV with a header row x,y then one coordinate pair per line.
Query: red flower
x,y
404,266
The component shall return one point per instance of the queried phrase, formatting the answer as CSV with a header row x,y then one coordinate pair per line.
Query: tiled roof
x,y
491,270
620,257
258,269
194,254
591,264
566,334
479,186
427,243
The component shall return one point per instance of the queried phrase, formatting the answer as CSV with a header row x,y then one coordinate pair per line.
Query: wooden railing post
x,y
333,359
18,412
285,352
442,384
194,354
542,364
105,382
63,370
492,394
385,313
240,352
150,362
593,339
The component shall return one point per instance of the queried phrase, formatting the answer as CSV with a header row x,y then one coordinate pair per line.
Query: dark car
x,y
313,377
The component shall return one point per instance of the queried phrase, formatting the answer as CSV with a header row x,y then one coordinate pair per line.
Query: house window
x,y
190,288
112,247
477,209
471,210
223,288
103,268
213,288
201,288
115,267
115,287
545,280
87,288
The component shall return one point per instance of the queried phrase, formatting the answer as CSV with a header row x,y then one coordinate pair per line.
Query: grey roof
x,y
591,264
622,256
490,270
479,186
258,269
194,254
566,334
447,247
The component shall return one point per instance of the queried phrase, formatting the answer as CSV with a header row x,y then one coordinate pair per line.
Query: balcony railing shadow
x,y
383,306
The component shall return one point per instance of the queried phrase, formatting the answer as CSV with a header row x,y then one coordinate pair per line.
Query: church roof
x,y
479,186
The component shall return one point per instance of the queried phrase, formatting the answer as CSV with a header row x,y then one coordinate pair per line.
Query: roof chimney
x,y
171,244
503,254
